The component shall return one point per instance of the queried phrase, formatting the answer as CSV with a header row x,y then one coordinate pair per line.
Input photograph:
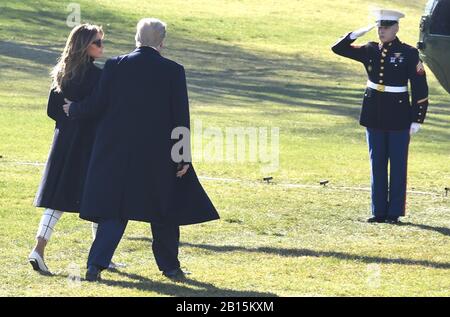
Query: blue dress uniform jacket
x,y
389,64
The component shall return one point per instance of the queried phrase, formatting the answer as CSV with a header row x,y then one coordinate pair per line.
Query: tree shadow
x,y
226,75
187,287
234,76
310,253
247,77
217,72
442,230
37,16
40,54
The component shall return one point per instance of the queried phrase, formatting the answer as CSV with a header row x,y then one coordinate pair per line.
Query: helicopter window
x,y
430,6
440,20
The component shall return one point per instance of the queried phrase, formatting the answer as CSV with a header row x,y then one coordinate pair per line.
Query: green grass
x,y
252,64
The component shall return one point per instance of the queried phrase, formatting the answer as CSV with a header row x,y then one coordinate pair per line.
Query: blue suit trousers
x,y
388,149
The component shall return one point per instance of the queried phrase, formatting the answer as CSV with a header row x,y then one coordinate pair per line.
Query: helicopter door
x,y
434,40
440,19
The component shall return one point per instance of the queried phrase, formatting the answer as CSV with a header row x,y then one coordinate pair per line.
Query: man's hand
x,y
66,107
358,33
415,127
182,169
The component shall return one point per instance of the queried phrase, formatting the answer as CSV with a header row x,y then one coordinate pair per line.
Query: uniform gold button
x,y
385,50
382,61
381,81
381,74
420,114
384,55
390,44
382,67
400,101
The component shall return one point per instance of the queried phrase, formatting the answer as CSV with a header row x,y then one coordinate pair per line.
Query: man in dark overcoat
x,y
140,167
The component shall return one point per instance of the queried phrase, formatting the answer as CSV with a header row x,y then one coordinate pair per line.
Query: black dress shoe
x,y
93,273
376,220
176,274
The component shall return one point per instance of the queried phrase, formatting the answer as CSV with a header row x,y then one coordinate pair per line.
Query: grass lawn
x,y
249,64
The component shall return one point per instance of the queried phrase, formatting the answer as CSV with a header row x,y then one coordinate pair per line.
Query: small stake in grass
x,y
324,182
268,179
446,191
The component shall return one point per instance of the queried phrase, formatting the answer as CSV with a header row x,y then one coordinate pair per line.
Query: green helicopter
x,y
434,42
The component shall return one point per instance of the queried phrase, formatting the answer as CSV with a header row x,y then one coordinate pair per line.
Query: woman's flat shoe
x,y
37,262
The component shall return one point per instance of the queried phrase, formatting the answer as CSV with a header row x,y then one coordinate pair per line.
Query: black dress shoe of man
x,y
376,220
93,273
176,274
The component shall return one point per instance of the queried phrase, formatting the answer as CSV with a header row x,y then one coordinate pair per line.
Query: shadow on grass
x,y
187,287
311,253
442,230
218,73
221,74
40,54
229,76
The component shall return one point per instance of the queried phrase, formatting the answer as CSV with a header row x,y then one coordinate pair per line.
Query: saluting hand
x,y
66,107
360,32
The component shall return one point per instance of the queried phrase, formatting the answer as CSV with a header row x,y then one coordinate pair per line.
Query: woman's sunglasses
x,y
98,43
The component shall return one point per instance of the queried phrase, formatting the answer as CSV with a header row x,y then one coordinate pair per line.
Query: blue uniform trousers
x,y
388,148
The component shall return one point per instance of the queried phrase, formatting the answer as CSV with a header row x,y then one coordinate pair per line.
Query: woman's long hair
x,y
74,60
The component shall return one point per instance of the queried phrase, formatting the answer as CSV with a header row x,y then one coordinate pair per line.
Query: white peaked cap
x,y
387,15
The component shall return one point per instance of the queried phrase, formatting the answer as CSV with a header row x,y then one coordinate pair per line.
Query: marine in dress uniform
x,y
388,113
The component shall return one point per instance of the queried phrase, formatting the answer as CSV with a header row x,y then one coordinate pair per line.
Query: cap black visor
x,y
386,23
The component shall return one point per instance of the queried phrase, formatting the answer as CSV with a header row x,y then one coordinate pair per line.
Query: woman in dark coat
x,y
74,77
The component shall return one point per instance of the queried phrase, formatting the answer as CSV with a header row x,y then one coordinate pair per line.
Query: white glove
x,y
358,33
415,127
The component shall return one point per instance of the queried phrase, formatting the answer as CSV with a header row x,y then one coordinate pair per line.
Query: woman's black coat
x,y
62,183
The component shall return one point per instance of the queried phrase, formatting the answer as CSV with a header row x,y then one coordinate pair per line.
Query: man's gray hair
x,y
150,32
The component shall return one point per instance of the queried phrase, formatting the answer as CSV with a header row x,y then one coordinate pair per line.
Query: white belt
x,y
384,88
